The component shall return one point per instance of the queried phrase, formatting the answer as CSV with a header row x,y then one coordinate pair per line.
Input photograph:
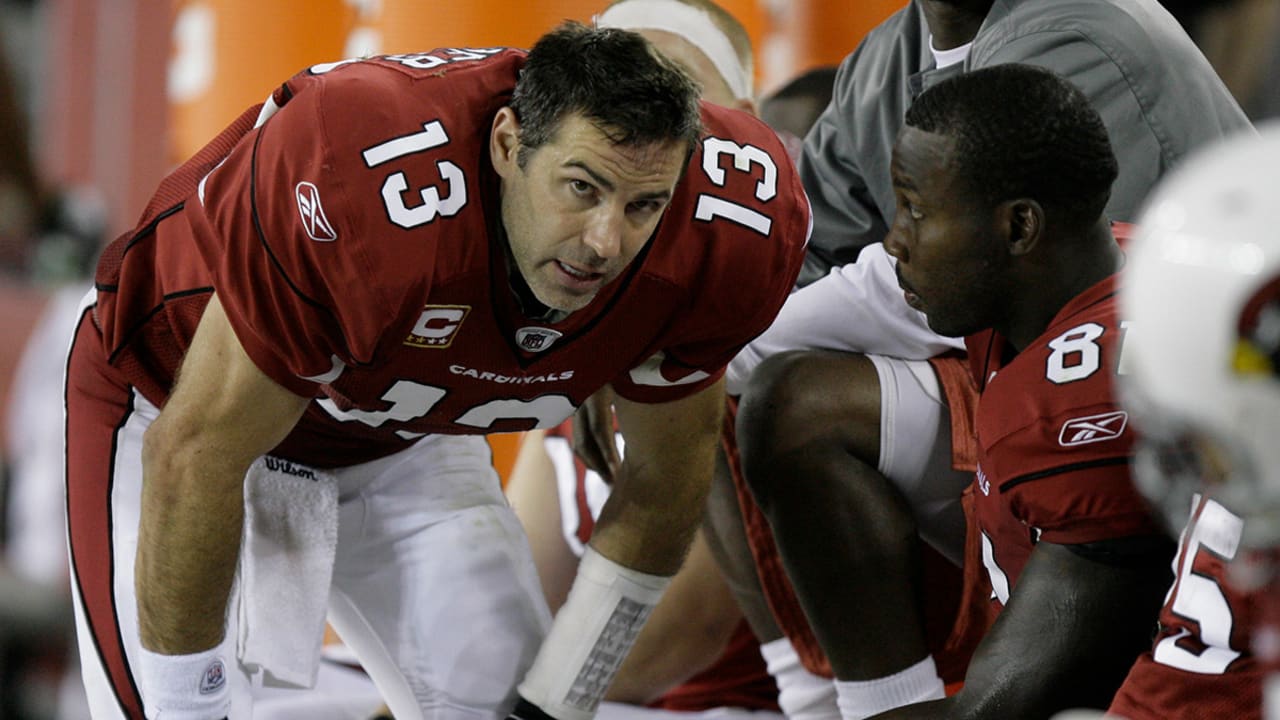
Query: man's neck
x,y
953,23
530,306
1060,277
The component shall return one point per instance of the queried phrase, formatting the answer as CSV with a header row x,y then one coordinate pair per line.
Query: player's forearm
x,y
188,545
648,525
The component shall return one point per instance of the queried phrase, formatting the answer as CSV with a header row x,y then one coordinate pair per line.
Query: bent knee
x,y
799,398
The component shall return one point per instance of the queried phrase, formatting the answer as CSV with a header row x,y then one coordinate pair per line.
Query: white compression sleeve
x,y
591,635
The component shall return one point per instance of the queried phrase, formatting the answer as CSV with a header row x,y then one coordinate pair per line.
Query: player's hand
x,y
526,710
594,441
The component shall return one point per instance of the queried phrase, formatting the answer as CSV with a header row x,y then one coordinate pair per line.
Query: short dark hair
x,y
1023,131
615,79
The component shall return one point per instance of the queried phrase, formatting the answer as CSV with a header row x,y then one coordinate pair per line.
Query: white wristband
x,y
187,687
592,634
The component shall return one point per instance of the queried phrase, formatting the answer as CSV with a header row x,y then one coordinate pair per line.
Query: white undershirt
x,y
947,58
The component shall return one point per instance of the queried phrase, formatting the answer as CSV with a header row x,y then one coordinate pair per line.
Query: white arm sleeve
x,y
858,307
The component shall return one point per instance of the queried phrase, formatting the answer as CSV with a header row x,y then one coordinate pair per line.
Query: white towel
x,y
286,565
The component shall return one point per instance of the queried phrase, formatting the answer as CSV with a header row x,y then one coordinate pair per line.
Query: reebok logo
x,y
312,212
1094,428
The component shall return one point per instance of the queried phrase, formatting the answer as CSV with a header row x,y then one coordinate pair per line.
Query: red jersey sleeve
x,y
285,250
287,219
740,223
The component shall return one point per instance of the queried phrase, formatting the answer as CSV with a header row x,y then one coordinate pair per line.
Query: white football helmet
x,y
1200,366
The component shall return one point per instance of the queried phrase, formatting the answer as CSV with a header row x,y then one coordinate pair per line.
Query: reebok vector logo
x,y
1094,428
312,212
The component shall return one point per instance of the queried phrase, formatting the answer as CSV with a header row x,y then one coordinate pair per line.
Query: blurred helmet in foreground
x,y
1201,360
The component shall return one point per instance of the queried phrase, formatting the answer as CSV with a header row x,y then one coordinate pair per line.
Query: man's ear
x,y
504,142
1022,220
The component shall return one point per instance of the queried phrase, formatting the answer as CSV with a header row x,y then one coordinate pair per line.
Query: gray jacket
x,y
1154,89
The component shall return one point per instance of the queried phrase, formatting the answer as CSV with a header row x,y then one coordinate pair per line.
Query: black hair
x,y
1022,131
613,78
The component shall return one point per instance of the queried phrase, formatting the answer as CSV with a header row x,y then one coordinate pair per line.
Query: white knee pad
x,y
915,450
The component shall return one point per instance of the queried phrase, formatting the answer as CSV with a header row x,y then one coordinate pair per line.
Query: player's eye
x,y
581,187
647,206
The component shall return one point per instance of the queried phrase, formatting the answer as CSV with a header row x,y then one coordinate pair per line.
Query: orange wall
x,y
230,54
803,34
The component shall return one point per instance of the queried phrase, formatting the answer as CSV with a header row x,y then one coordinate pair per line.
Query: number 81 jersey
x,y
1054,444
351,230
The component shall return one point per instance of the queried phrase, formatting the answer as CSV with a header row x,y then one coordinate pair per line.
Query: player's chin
x,y
946,327
567,299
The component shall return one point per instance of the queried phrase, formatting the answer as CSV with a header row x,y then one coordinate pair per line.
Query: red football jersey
x,y
1200,665
349,238
1053,444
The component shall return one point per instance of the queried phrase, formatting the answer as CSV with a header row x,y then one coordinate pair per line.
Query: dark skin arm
x,y
1071,630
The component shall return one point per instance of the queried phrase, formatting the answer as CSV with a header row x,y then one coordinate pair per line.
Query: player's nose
x,y
895,245
603,232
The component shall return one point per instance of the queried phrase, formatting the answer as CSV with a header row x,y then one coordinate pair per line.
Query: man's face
x,y
951,263
581,208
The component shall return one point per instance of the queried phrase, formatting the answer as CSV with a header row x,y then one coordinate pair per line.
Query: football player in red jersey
x,y
282,378
889,422
695,652
1203,383
1001,176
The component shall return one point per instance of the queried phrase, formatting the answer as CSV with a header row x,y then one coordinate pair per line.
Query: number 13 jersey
x,y
353,237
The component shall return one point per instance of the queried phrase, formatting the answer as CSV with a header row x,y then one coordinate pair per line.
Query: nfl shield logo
x,y
536,339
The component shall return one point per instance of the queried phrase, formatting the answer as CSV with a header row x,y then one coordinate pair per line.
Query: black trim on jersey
x,y
1129,552
71,556
128,336
986,363
149,228
143,233
262,238
1041,474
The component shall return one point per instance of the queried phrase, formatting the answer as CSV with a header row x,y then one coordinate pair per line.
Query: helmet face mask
x,y
1201,361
